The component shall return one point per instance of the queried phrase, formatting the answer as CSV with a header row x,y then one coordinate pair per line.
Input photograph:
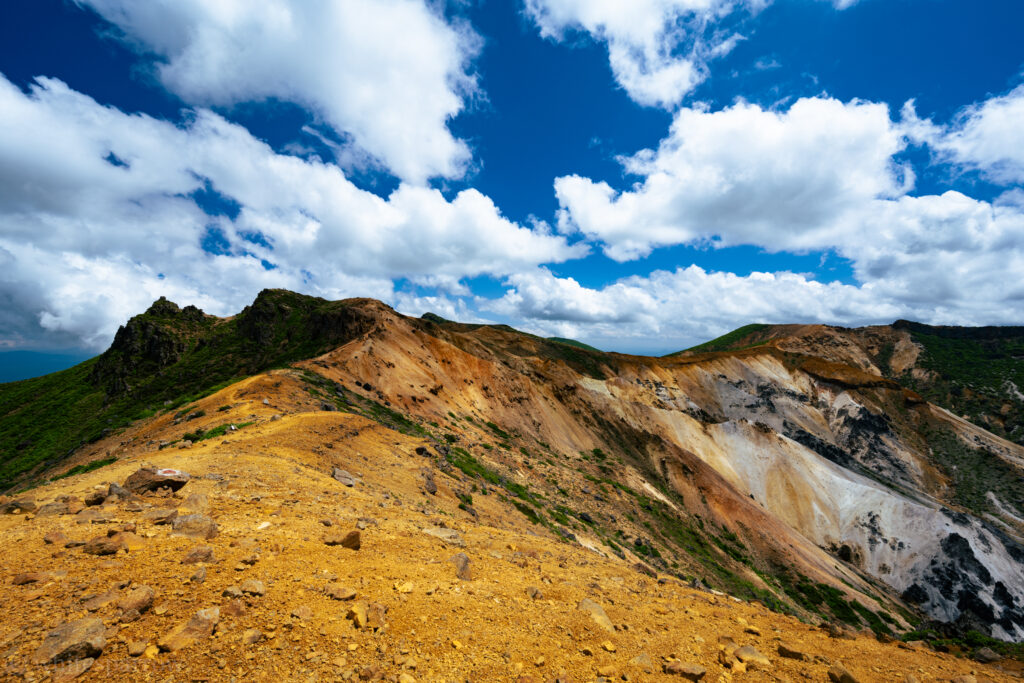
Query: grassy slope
x,y
43,420
573,342
731,341
973,369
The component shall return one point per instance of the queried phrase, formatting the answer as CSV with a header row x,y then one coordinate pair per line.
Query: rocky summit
x,y
315,490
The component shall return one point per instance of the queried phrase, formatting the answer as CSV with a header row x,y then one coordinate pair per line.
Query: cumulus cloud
x,y
658,50
101,212
670,310
986,137
745,175
387,74
820,176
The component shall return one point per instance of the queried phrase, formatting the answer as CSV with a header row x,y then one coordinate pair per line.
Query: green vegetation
x,y
162,359
86,467
975,472
573,342
977,372
728,341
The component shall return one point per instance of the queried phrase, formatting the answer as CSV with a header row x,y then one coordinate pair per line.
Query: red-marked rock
x,y
149,479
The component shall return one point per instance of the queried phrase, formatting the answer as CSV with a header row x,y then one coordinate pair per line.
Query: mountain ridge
x,y
671,446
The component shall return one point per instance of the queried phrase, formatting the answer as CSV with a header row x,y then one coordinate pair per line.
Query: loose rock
x,y
462,566
194,526
71,641
200,626
597,613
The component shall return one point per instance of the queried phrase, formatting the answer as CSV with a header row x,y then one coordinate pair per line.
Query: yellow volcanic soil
x,y
268,488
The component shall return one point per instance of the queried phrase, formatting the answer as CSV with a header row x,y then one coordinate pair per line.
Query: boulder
x,y
791,652
72,641
149,479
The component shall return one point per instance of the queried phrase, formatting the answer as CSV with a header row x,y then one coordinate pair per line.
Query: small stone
x,y
199,576
302,613
597,613
95,498
404,587
199,627
30,577
55,538
344,477
691,672
194,526
253,587
235,608
450,536
232,592
350,540
986,655
405,678
608,671
339,592
791,652
839,674
358,614
643,661
608,645
201,553
752,658
252,636
68,672
463,570
160,515
103,545
534,593
100,601
137,648
72,640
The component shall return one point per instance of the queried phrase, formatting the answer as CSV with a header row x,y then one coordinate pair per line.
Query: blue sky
x,y
641,176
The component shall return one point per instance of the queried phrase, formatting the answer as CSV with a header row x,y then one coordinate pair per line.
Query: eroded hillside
x,y
312,544
793,470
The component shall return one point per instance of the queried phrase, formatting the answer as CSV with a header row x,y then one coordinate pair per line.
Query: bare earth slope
x,y
281,595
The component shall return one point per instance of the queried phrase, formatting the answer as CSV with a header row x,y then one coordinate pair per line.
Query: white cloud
x,y
389,74
658,50
86,241
987,136
745,175
668,311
